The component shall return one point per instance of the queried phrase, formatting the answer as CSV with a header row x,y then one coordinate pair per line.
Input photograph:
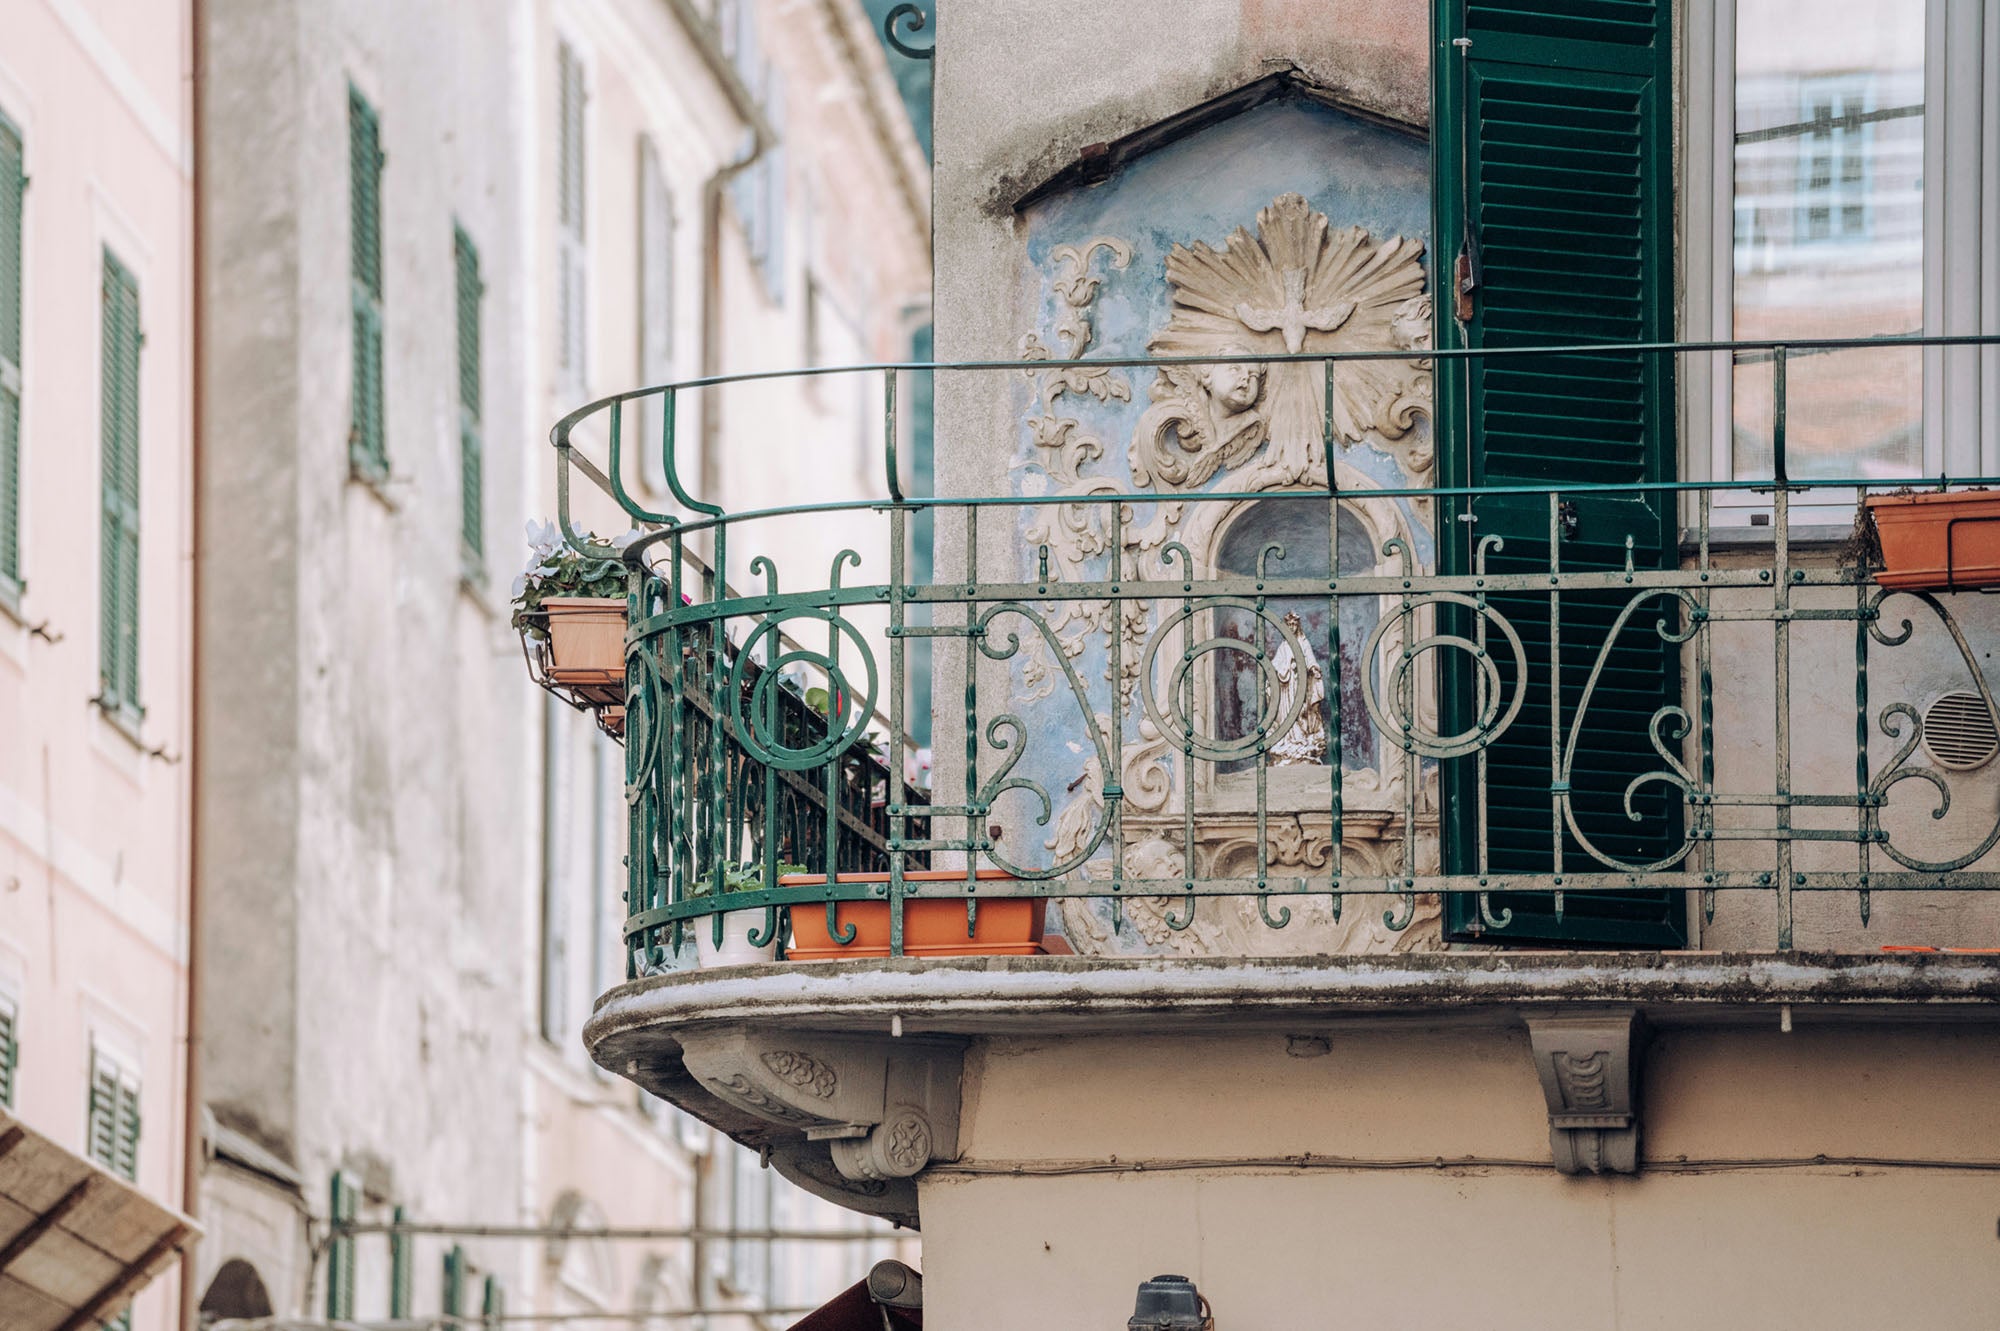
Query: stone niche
x,y
1292,226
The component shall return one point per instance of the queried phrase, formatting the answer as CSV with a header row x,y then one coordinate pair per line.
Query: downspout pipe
x,y
192,1107
711,311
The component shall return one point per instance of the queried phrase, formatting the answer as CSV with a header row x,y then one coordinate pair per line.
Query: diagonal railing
x,y
1139,725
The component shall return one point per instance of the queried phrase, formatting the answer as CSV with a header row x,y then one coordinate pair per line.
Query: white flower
x,y
520,586
619,543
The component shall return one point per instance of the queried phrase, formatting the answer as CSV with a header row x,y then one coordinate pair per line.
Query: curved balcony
x,y
1256,752
1166,729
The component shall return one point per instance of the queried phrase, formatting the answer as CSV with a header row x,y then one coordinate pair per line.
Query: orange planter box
x,y
1944,541
932,926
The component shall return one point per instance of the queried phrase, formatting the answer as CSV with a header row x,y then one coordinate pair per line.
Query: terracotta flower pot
x,y
586,640
1948,541
932,926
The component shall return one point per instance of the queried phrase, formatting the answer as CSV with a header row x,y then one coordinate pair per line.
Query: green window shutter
x,y
13,192
454,1282
118,644
471,444
367,445
1554,170
401,1270
10,1051
112,1135
493,1304
342,1196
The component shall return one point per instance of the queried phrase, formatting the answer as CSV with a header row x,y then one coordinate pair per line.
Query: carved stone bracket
x,y
1589,1069
877,1110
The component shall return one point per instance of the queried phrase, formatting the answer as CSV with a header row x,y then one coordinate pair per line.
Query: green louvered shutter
x,y
13,197
118,644
454,1282
10,1051
471,443
342,1196
493,1305
113,1135
1554,170
367,444
402,1271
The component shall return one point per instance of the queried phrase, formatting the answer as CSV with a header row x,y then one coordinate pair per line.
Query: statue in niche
x,y
1305,743
1296,286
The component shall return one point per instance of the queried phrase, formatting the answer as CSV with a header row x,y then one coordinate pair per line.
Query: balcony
x,y
1259,751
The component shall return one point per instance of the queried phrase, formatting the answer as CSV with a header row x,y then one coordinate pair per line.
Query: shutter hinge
x,y
1465,279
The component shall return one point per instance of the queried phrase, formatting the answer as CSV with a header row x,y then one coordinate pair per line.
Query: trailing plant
x,y
745,877
557,568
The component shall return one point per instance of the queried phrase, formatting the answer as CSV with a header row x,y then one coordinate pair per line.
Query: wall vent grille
x,y
1959,732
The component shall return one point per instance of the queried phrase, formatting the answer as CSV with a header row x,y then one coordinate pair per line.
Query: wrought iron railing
x,y
1136,722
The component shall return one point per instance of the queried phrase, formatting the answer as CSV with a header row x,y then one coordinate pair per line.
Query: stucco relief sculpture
x,y
1295,285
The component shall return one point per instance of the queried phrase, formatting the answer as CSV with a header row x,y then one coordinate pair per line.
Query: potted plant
x,y
1945,540
933,926
569,606
738,926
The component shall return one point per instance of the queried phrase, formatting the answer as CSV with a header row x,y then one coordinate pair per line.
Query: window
x,y
13,191
456,1268
493,1303
113,1133
343,1193
1842,186
750,1214
366,443
10,1049
656,307
402,1269
557,870
572,254
118,571
471,448
759,195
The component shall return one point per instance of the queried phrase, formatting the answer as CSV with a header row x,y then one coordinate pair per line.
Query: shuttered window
x,y
402,1270
343,1193
572,266
471,444
13,197
493,1304
455,1264
118,569
113,1135
1554,193
367,443
10,1050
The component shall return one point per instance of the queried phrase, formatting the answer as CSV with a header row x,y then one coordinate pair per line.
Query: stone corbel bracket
x,y
1589,1069
882,1108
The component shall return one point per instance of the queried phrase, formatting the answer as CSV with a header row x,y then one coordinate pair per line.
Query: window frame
x,y
121,1153
1961,265
573,266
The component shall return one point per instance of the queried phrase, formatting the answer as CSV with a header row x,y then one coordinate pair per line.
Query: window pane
x,y
1829,234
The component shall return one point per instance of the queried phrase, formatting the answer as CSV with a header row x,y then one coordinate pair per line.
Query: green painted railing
x,y
1096,742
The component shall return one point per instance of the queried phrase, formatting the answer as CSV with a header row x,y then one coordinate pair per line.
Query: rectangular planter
x,y
932,926
587,641
1948,541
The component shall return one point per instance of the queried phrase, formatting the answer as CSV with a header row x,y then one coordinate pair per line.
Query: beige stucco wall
x,y
93,840
1505,1243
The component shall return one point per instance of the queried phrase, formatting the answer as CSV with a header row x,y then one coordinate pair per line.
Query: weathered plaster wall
x,y
1411,1244
362,811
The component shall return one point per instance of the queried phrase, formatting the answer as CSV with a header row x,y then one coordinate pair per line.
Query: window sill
x,y
374,480
1814,537
11,593
127,720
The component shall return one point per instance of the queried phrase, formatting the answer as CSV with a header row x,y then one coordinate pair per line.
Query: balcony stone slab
x,y
847,1072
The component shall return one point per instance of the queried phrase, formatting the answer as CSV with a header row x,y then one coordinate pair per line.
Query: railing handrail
x,y
714,516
